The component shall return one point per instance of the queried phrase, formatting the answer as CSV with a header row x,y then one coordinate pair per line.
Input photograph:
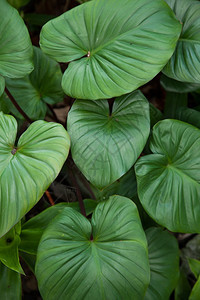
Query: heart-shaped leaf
x,y
9,249
10,284
27,169
164,264
104,259
169,180
113,47
185,62
16,48
104,145
35,91
33,229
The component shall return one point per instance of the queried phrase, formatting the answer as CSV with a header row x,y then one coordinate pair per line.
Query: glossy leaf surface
x,y
115,257
28,168
10,284
105,146
35,91
164,264
185,62
16,49
34,228
9,249
112,48
172,195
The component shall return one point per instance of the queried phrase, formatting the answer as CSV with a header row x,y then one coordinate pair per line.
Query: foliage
x,y
132,177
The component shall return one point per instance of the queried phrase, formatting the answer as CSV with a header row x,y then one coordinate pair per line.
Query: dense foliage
x,y
135,168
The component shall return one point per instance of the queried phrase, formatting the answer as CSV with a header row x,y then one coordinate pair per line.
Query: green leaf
x,y
27,169
194,266
185,62
105,146
112,47
183,288
173,102
2,85
4,104
172,195
10,284
195,291
155,114
34,91
112,264
164,264
18,3
16,48
34,228
172,85
188,115
30,260
9,249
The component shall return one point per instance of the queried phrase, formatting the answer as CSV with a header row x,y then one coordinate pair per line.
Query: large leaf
x,y
113,46
164,264
34,91
34,228
110,264
105,146
188,115
27,169
185,62
10,284
9,249
16,49
169,179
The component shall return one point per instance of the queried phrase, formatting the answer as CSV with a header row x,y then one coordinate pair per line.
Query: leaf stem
x,y
53,113
49,197
78,193
20,110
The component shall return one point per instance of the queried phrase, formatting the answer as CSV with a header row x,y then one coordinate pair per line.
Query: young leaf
x,y
164,264
34,91
16,49
104,145
172,195
110,264
185,62
34,228
112,47
28,168
10,284
9,249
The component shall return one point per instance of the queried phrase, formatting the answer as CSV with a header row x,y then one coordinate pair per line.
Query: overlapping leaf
x,y
185,62
10,284
35,91
16,49
113,47
110,264
106,146
169,179
175,86
27,169
164,264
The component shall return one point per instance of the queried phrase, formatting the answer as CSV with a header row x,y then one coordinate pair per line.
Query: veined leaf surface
x,y
110,264
112,46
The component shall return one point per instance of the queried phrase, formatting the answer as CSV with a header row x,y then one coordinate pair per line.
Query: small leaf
x,y
172,195
164,264
110,264
194,266
112,49
105,146
16,48
27,169
184,65
10,284
9,249
41,87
